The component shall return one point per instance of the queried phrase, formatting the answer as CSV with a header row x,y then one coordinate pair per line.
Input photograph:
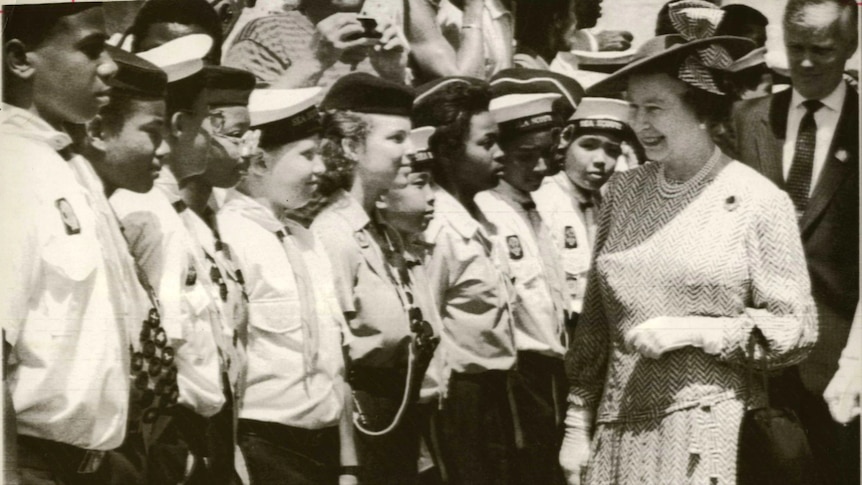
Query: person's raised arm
x,y
430,49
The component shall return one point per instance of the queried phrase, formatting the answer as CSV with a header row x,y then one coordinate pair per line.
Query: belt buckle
x,y
91,461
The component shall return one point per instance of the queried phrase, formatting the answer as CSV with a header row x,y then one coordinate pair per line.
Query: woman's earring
x,y
702,126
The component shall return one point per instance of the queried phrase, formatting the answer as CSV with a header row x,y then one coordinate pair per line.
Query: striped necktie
x,y
799,179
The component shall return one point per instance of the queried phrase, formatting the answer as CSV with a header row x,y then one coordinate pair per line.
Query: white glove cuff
x,y
579,417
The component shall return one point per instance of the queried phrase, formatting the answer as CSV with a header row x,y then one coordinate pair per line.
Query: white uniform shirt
x,y
163,249
572,229
537,309
277,386
230,296
468,284
70,361
826,119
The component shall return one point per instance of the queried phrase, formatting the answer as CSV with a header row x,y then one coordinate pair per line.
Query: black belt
x,y
378,381
290,436
71,458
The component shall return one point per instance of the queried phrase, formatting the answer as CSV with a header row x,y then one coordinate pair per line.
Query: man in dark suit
x,y
805,140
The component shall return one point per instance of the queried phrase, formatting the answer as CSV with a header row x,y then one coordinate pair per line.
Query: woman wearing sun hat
x,y
695,254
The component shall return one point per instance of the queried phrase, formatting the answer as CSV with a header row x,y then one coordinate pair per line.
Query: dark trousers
x,y
205,438
539,389
835,447
475,427
275,453
393,457
43,462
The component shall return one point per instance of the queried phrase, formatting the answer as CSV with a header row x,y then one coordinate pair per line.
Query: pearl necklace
x,y
669,190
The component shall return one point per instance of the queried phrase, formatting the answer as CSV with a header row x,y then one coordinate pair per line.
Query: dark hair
x,y
185,12
710,108
748,79
737,18
181,95
32,24
116,112
794,8
449,110
339,125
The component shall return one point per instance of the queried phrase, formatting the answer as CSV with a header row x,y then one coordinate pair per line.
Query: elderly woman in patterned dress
x,y
695,255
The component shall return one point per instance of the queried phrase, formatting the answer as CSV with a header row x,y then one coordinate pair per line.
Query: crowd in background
x,y
426,242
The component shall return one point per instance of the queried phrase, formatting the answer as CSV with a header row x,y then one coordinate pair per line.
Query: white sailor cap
x,y
752,59
284,115
603,114
181,57
420,154
524,112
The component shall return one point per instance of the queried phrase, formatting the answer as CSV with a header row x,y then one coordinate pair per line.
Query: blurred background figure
x,y
459,37
587,38
161,21
744,21
319,42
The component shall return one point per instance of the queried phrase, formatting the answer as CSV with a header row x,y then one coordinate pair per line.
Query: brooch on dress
x,y
731,203
841,155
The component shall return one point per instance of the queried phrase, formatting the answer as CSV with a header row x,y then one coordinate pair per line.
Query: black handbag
x,y
773,445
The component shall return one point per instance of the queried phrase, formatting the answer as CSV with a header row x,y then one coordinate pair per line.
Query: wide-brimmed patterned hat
x,y
695,52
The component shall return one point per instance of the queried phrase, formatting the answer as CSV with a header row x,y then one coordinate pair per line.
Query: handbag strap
x,y
756,339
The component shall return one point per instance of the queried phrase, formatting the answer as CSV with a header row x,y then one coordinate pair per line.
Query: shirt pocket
x,y
71,258
282,315
527,272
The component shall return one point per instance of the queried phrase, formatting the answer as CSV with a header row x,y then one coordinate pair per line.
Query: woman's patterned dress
x,y
728,248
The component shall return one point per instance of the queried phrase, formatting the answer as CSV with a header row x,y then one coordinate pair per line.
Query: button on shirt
x,y
826,119
69,363
378,326
468,284
533,265
164,251
570,215
278,386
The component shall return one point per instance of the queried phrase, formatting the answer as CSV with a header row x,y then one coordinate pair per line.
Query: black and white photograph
x,y
430,242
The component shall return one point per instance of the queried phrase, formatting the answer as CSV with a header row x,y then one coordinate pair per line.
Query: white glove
x,y
659,335
347,480
575,451
843,392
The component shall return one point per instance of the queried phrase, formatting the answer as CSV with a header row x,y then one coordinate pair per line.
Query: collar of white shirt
x,y
20,122
447,210
510,192
245,206
582,196
833,101
349,209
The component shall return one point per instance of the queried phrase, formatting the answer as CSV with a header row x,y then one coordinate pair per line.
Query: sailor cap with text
x,y
284,115
522,113
602,114
420,155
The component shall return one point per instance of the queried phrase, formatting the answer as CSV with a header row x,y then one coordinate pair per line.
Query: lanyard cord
x,y
402,287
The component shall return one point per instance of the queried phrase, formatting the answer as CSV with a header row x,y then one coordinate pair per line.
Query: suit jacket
x,y
830,225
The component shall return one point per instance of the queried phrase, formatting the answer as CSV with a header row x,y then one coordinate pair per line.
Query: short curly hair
x,y
338,125
450,110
